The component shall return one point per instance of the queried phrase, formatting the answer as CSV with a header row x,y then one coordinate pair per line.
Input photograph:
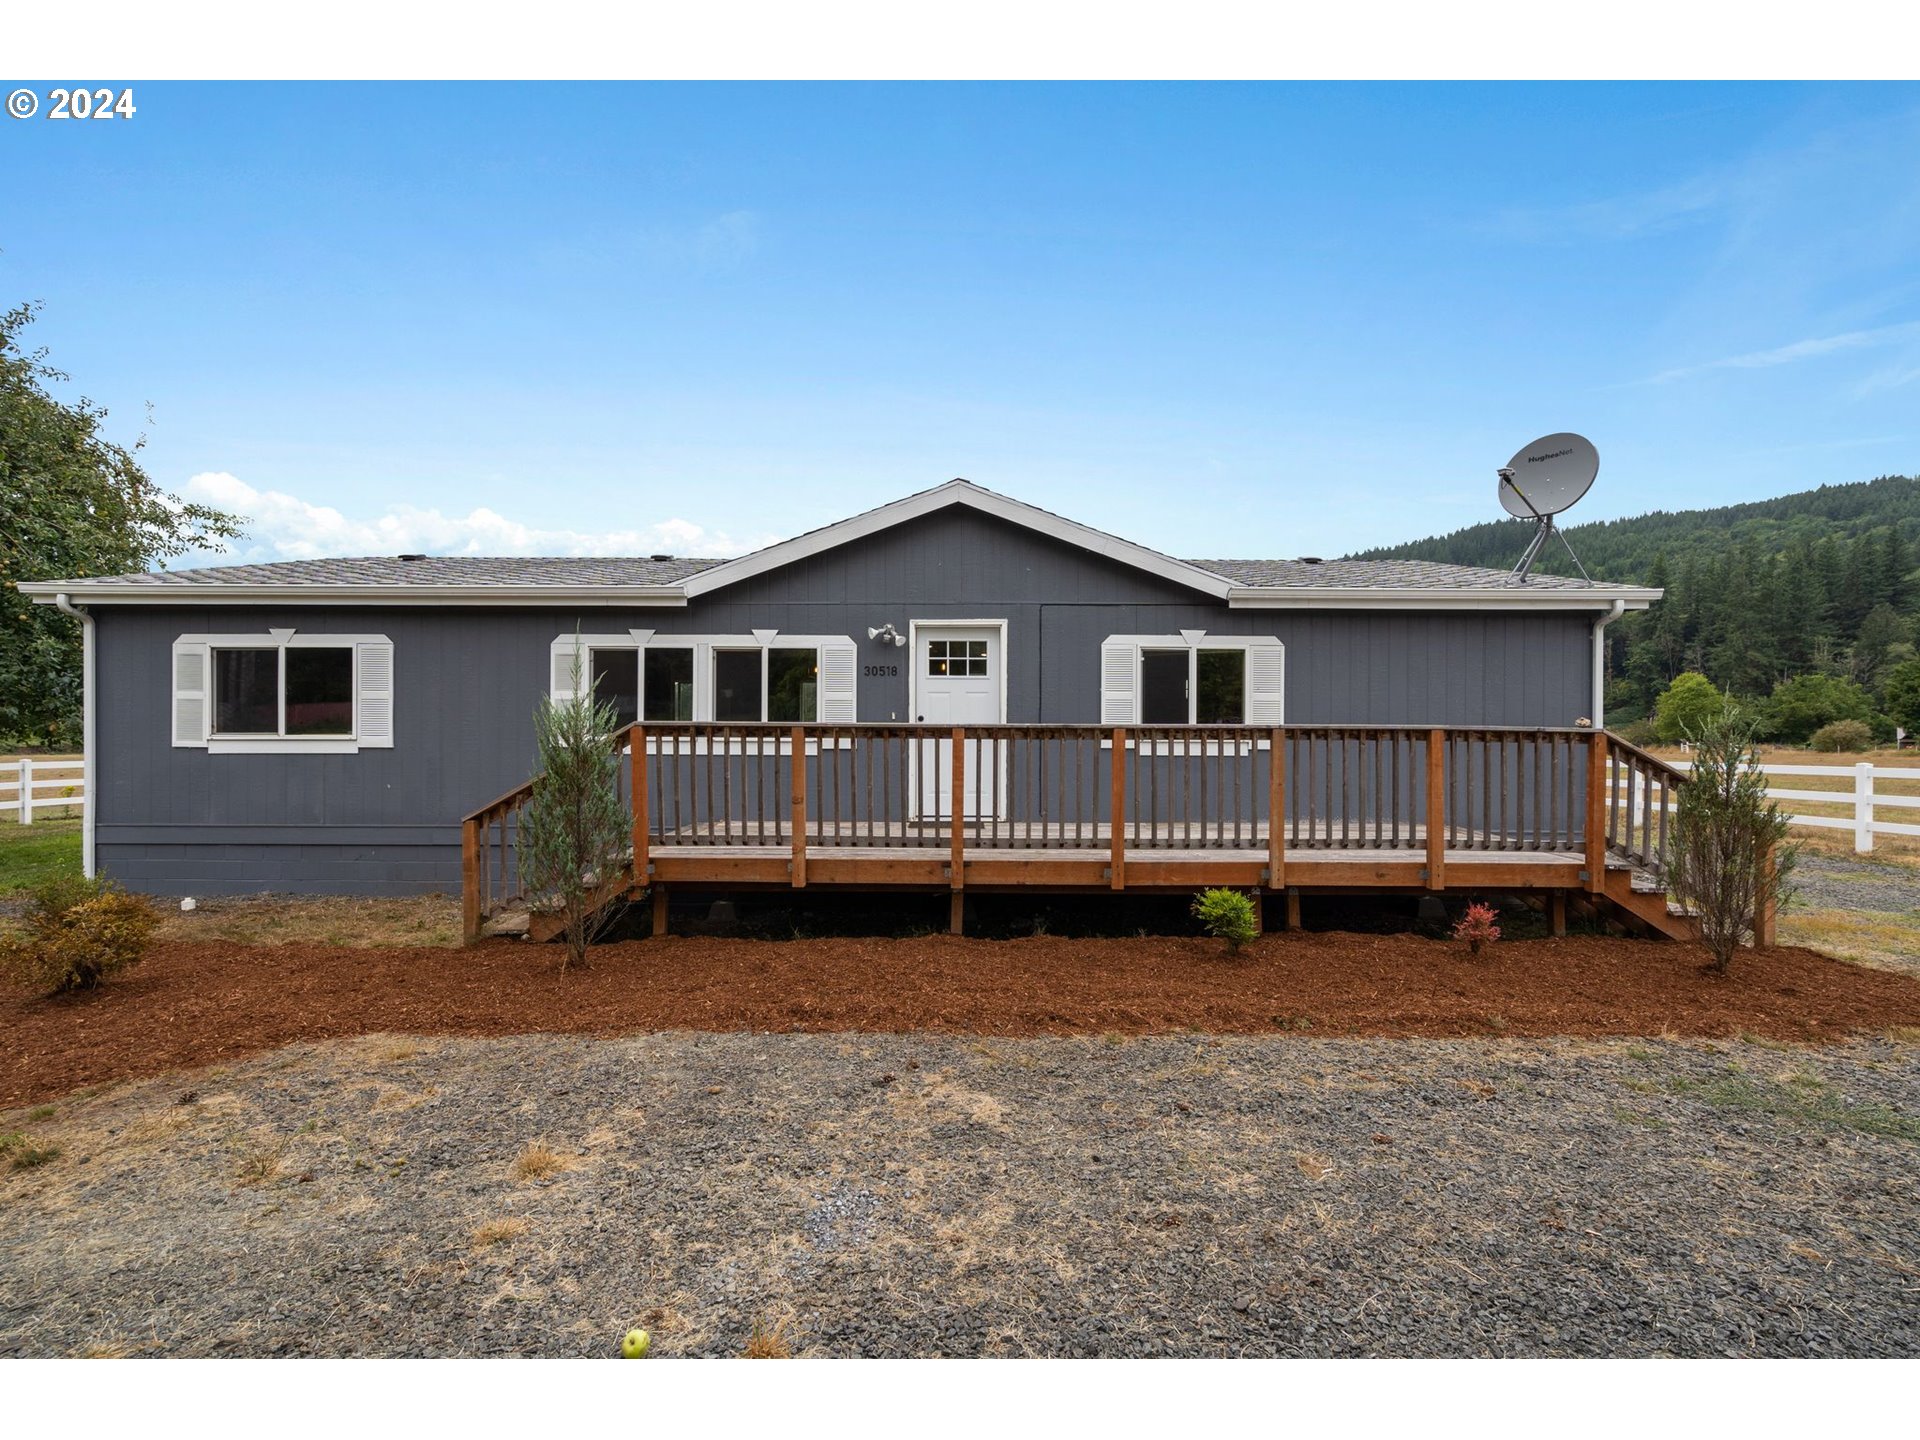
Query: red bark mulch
x,y
191,1005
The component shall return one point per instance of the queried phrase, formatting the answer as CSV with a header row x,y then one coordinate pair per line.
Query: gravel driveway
x,y
1835,882
911,1195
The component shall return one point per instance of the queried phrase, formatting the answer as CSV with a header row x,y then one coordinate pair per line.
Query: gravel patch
x,y
945,1195
1832,882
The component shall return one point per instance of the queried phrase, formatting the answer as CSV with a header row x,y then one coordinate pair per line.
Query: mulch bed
x,y
193,1005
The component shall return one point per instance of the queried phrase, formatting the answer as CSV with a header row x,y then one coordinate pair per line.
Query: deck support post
x,y
1117,839
470,881
957,912
1557,913
659,911
957,863
1276,808
1259,912
1596,826
1436,810
1293,907
1766,922
799,808
637,742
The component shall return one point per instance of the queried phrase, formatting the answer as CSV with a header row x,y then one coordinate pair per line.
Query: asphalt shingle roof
x,y
556,570
565,571
1374,575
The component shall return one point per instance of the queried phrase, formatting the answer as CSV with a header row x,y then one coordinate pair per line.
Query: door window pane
x,y
246,692
319,690
1222,698
937,658
736,685
616,682
793,685
669,684
1163,687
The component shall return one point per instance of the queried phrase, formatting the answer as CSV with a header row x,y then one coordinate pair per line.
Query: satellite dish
x,y
1549,476
1542,480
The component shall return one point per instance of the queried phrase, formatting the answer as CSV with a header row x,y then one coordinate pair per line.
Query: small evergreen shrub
x,y
1226,915
1477,927
78,931
1848,735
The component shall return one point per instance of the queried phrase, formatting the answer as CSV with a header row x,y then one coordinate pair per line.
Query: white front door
x,y
958,679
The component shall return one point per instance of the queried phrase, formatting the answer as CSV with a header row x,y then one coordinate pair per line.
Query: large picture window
x,y
281,691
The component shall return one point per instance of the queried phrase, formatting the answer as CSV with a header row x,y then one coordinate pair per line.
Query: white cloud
x,y
1798,350
284,527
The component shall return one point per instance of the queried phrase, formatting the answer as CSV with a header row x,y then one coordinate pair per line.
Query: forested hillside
x,y
1818,584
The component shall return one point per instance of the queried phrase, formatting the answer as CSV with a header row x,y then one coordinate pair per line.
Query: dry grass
x,y
262,1166
540,1161
22,1153
357,922
497,1232
1867,937
768,1342
1314,1167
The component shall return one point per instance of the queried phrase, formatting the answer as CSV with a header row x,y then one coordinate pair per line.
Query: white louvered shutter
x,y
1266,683
570,669
374,700
192,692
838,667
1118,703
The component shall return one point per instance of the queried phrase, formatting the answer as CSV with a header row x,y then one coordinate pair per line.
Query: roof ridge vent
x,y
412,557
659,557
1311,560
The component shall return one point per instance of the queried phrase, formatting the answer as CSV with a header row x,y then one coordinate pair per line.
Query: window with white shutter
x,y
1192,678
284,692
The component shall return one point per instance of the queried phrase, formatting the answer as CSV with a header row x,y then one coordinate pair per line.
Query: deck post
x,y
1293,907
799,768
1766,921
1436,810
1596,830
1557,913
1276,809
637,743
957,912
659,911
470,880
1117,840
1259,912
958,821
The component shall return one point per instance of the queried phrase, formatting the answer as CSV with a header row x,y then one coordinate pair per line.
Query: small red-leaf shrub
x,y
1476,927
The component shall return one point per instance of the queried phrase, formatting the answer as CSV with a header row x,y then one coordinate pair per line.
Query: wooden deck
x,y
1283,812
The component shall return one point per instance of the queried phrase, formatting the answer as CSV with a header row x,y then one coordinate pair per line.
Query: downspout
x,y
1600,662
89,790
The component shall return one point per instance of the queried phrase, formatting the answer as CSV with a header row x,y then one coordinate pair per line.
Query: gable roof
x,y
636,581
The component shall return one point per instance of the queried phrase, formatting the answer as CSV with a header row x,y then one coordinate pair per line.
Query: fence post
x,y
26,791
1863,807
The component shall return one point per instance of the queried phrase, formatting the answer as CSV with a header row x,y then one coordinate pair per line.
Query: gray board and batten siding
x,y
175,821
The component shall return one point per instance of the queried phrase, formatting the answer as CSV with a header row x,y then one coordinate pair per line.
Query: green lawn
x,y
30,854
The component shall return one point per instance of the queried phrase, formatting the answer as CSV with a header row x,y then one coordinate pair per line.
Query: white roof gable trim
x,y
958,492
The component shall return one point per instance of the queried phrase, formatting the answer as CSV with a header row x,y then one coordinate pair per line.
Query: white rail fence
x,y
1862,798
42,789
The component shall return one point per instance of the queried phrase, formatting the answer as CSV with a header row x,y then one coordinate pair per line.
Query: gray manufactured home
x,y
325,726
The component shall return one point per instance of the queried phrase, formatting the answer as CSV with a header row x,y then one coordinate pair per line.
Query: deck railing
x,y
1174,791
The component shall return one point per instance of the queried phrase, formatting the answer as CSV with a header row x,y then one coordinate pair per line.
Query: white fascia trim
x,y
957,492
519,596
1357,597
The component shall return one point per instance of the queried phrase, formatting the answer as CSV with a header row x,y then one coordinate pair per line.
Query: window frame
x,y
352,732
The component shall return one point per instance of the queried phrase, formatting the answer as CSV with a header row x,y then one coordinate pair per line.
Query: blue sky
x,y
1223,319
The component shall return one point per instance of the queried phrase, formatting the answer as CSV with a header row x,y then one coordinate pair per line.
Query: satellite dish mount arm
x,y
1544,527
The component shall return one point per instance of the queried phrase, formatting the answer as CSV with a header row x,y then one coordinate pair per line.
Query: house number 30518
x,y
882,670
